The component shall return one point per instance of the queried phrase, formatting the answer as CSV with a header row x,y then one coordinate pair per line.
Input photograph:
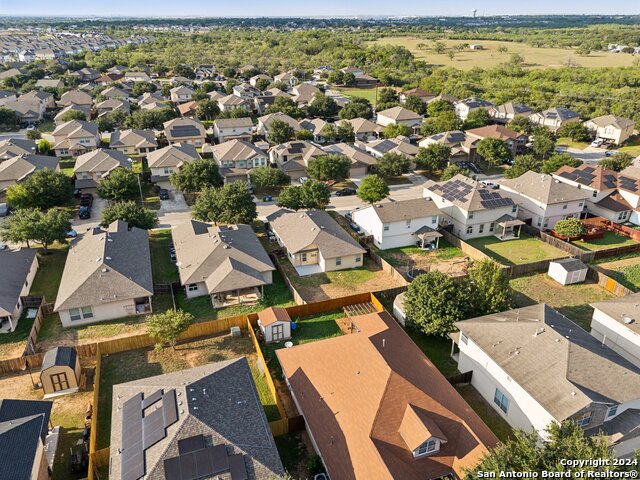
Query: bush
x,y
570,227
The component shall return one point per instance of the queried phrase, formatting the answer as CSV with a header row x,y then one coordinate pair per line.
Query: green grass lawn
x,y
368,93
142,363
437,349
567,142
401,256
12,344
164,270
571,300
49,274
629,276
526,249
632,147
494,421
625,269
610,240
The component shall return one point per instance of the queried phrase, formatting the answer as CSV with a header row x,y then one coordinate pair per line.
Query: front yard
x,y
142,363
610,240
524,250
570,300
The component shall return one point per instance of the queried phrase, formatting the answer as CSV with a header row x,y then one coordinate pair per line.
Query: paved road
x,y
21,134
588,155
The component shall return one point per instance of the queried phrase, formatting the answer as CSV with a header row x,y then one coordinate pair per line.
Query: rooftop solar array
x,y
586,176
196,460
490,199
629,184
454,190
141,431
185,131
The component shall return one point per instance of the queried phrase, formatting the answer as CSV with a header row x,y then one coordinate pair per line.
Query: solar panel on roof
x,y
170,408
151,399
185,131
191,444
237,467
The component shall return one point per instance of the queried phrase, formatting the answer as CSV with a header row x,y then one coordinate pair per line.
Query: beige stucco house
x,y
75,138
92,167
185,130
167,160
611,128
133,141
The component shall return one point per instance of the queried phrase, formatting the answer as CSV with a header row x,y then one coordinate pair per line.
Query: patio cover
x,y
509,221
427,232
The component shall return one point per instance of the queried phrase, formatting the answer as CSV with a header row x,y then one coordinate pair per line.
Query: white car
x,y
598,142
303,180
3,246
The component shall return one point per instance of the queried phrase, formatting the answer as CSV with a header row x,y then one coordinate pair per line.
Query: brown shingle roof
x,y
272,315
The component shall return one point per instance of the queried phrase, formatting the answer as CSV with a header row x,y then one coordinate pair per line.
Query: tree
x,y
477,118
44,146
280,132
120,184
453,170
285,105
168,326
32,224
105,124
304,134
315,194
207,109
543,143
415,104
18,228
267,177
522,164
322,106
356,108
434,302
230,204
142,87
335,77
394,130
433,157
329,167
575,131
617,162
443,122
291,197
494,150
329,132
73,115
520,125
129,212
34,134
150,119
437,107
559,160
569,227
345,133
373,189
393,164
516,59
489,287
583,50
196,176
42,189
262,84
8,118
387,96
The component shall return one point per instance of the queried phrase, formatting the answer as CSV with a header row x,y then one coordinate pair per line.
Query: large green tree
x,y
322,106
393,164
357,108
311,194
329,167
207,109
494,150
522,164
43,189
559,160
34,225
130,212
443,122
575,131
168,326
280,132
73,115
291,197
434,157
230,204
617,162
121,184
477,118
415,104
373,189
489,287
394,130
197,175
268,177
453,170
543,143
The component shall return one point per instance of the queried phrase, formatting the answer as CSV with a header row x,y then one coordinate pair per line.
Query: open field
x,y
526,249
624,270
368,93
571,300
610,240
491,57
142,363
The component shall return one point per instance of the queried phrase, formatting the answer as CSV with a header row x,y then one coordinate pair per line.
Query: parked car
x,y
77,193
85,212
4,209
490,184
348,216
346,192
355,227
71,233
163,194
608,153
267,198
86,200
598,142
303,180
3,246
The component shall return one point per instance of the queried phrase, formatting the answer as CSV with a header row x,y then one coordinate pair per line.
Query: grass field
x,y
526,249
491,57
368,93
632,146
49,274
610,240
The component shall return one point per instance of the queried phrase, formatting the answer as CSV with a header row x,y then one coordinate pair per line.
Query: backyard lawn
x,y
164,270
632,147
437,349
142,363
446,258
570,300
49,274
494,421
12,344
526,249
368,93
610,240
624,269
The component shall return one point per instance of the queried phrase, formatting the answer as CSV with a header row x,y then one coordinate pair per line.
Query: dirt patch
x,y
406,263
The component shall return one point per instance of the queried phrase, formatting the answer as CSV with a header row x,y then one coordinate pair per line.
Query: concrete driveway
x,y
588,155
175,203
99,205
20,134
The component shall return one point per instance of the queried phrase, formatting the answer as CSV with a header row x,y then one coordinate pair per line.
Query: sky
x,y
243,8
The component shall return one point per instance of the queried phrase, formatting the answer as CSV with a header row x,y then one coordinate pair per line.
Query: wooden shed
x,y
275,324
568,271
60,372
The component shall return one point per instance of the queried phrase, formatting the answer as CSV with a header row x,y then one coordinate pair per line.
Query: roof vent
x,y
627,320
104,270
226,246
107,258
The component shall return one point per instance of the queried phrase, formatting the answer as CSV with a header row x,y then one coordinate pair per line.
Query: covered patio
x,y
244,296
428,238
508,227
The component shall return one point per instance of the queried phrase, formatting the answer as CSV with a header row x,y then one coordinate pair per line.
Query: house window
x,y
80,313
463,338
470,215
481,228
434,219
192,287
612,411
427,447
358,258
303,257
581,204
514,209
492,227
584,419
87,312
564,207
168,170
501,400
408,222
338,261
470,229
386,227
539,222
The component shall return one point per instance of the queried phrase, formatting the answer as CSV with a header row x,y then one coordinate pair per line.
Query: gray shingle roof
x,y
59,357
101,160
390,211
544,188
104,266
18,446
627,307
172,155
14,265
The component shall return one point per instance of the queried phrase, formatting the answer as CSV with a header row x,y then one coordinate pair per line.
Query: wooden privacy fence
x,y
597,275
32,340
467,249
94,460
387,267
515,271
612,252
296,295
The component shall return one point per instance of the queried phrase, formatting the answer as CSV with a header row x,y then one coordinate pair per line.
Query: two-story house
x,y
133,141
554,118
92,167
233,102
399,115
474,210
264,123
535,366
236,157
181,94
185,130
233,129
401,224
167,160
611,128
75,138
515,141
616,323
508,111
464,107
293,157
363,129
543,200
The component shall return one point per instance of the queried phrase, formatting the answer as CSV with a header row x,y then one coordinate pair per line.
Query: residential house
x,y
554,118
399,115
450,99
473,209
24,426
375,406
60,116
515,141
14,147
19,267
205,71
543,200
185,130
107,275
45,98
19,168
233,102
133,141
109,78
267,99
228,263
92,167
464,107
7,96
394,224
361,161
355,71
111,105
167,160
87,74
261,76
137,77
293,157
114,92
315,126
209,417
304,93
615,323
49,83
188,109
154,98
364,130
289,78
314,242
400,145
535,366
181,94
264,123
629,189
236,158
11,72
75,97
456,140
415,92
508,111
601,186
225,129
611,128
246,91
75,138
27,111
